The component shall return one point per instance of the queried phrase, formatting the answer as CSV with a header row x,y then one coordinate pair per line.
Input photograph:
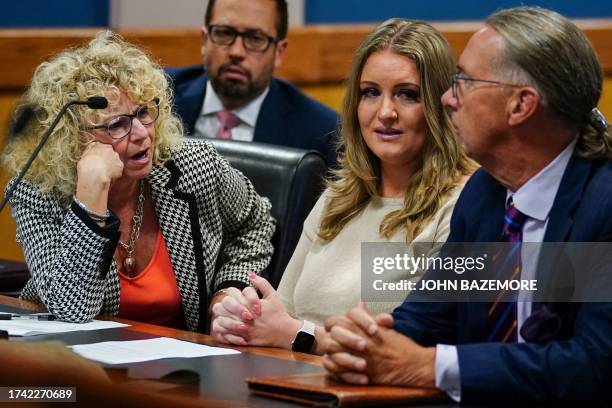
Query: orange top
x,y
152,296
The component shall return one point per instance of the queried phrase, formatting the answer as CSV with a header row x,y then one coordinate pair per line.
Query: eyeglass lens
x,y
121,125
252,40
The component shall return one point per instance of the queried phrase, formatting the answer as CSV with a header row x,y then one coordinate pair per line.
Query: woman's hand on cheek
x,y
97,168
99,163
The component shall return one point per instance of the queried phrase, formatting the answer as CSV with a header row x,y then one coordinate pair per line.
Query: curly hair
x,y
107,66
443,160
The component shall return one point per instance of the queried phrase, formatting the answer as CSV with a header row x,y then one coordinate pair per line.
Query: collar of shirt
x,y
247,114
535,198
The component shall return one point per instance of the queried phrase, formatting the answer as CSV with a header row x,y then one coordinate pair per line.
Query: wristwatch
x,y
305,338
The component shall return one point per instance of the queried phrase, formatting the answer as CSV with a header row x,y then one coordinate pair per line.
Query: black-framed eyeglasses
x,y
253,40
457,77
120,126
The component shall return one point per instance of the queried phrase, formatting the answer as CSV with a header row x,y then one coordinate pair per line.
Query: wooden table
x,y
221,378
216,381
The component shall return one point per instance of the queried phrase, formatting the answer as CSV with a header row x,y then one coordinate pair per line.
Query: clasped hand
x,y
242,318
362,349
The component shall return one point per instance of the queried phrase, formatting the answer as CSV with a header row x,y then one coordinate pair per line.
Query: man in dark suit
x,y
235,96
524,105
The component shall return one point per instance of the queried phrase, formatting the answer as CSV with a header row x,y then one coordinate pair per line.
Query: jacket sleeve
x,y
68,254
576,369
429,323
247,228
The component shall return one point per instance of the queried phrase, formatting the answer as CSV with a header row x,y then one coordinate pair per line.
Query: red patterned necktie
x,y
502,318
227,121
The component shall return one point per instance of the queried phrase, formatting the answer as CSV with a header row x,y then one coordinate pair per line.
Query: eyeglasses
x,y
253,40
120,126
456,77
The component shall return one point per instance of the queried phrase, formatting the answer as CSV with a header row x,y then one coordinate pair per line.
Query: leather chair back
x,y
292,179
13,277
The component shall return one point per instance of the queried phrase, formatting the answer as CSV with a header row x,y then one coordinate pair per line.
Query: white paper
x,y
134,351
34,327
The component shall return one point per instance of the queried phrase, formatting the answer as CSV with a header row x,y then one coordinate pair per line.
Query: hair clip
x,y
597,120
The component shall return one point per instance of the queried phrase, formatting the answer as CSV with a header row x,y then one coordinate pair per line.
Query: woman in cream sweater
x,y
401,171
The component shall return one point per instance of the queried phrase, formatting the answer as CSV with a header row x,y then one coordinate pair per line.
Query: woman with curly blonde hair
x,y
400,174
116,215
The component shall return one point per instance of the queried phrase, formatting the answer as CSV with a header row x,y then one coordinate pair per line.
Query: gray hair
x,y
549,52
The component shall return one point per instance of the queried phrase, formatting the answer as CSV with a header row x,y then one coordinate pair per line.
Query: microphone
x,y
96,102
93,102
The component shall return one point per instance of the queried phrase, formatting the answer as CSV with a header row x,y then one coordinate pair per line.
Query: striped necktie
x,y
502,317
227,121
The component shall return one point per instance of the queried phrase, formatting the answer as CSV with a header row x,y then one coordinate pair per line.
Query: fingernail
x,y
251,275
361,345
363,380
257,310
246,316
372,329
242,327
360,364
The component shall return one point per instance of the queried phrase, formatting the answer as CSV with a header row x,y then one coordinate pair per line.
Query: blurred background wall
x,y
186,13
352,11
114,13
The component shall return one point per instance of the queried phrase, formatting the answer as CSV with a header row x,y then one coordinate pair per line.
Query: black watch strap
x,y
305,338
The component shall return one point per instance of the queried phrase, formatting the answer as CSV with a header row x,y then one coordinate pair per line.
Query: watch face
x,y
303,342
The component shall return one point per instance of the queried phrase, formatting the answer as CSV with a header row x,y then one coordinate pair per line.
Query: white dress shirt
x,y
207,123
535,199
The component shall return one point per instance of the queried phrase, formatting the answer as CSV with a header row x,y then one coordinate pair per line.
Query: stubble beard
x,y
232,89
239,92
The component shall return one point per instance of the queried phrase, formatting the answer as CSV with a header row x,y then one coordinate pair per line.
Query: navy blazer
x,y
287,117
576,364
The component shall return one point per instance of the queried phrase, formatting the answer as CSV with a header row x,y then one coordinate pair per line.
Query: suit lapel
x,y
484,223
189,102
490,230
568,197
272,122
559,228
492,221
173,211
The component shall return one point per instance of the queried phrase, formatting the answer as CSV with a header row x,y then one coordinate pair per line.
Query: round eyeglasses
x,y
120,126
253,40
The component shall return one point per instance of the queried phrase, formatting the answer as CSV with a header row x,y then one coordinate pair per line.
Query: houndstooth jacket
x,y
215,226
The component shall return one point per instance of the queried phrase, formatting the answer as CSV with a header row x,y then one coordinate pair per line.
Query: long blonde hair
x,y
443,161
106,66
